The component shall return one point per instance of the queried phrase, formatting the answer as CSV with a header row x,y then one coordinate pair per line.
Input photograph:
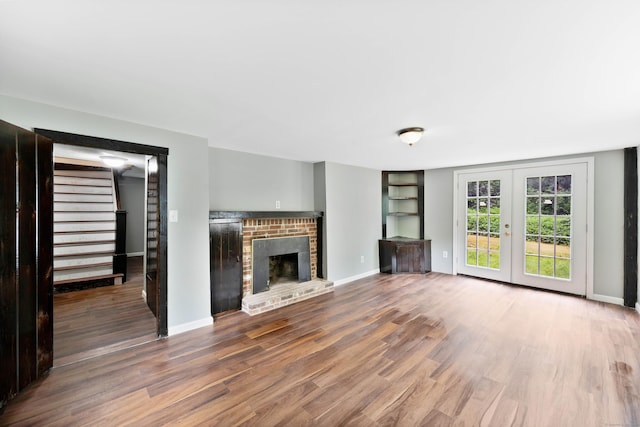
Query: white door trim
x,y
590,161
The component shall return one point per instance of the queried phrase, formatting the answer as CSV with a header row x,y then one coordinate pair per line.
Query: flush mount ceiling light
x,y
410,135
113,161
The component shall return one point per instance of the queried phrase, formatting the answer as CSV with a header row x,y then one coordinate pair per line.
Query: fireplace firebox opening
x,y
283,269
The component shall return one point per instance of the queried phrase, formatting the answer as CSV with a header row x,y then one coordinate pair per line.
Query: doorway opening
x,y
100,320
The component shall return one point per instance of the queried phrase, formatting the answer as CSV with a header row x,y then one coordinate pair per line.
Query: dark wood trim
x,y
163,327
421,208
120,256
320,247
116,189
385,203
630,226
264,214
8,273
44,159
103,143
27,262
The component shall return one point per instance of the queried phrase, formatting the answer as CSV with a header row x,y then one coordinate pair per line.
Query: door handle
x,y
507,233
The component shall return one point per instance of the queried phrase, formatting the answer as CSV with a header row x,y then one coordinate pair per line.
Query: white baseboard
x,y
638,306
178,329
135,254
356,277
608,299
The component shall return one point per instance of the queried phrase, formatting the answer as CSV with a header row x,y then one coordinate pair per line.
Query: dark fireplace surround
x,y
263,249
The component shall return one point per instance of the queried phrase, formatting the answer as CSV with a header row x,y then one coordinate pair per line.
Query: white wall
x,y
353,220
250,182
188,244
608,217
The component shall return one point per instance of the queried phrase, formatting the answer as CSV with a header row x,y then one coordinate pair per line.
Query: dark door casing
x,y
225,241
153,221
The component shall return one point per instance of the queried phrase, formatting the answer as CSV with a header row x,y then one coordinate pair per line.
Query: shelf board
x,y
403,198
402,214
404,184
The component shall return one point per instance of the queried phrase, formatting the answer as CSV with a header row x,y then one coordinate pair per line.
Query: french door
x,y
526,226
484,225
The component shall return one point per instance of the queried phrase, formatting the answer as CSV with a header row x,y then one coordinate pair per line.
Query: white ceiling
x,y
334,79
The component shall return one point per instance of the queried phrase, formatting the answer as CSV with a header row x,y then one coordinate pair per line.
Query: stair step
x,y
81,182
82,273
83,216
83,254
66,250
86,279
82,243
82,198
72,189
85,259
84,266
104,174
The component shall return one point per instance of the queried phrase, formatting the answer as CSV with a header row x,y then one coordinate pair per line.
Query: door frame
x,y
130,147
590,162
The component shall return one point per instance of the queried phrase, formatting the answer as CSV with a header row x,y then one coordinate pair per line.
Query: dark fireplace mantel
x,y
264,214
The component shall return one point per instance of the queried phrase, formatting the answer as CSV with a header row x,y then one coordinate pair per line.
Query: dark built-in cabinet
x,y
403,248
225,241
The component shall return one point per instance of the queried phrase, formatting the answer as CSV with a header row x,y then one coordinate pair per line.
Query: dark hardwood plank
x,y
92,322
387,350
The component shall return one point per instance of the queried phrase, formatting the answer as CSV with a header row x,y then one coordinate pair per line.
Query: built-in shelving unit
x,y
403,204
403,248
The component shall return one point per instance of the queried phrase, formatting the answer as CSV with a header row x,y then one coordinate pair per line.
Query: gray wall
x,y
353,220
608,218
188,242
132,200
242,181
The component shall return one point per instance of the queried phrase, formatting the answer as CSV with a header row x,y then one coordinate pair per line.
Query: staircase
x,y
84,229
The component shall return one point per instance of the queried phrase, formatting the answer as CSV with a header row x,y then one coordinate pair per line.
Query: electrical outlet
x,y
173,216
445,254
277,204
362,259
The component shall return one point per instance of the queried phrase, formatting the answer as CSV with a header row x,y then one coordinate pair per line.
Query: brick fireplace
x,y
296,237
286,232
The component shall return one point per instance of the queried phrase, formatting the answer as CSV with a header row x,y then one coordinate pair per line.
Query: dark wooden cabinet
x,y
403,218
404,255
225,240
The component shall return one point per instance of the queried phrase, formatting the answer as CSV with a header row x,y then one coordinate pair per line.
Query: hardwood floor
x,y
406,350
97,321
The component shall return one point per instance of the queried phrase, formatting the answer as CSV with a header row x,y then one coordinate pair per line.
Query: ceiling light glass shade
x,y
410,135
113,161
